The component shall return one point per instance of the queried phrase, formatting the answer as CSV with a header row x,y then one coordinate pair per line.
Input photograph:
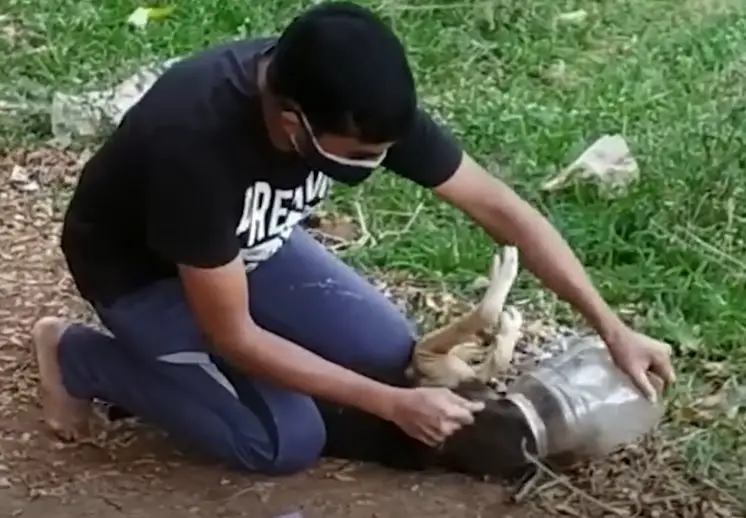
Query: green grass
x,y
668,74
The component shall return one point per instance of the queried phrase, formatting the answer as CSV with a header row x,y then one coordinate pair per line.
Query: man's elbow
x,y
231,339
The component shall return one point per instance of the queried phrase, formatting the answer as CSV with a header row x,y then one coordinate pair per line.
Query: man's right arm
x,y
190,224
219,299
220,302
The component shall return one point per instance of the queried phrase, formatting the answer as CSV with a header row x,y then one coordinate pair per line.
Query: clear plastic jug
x,y
581,405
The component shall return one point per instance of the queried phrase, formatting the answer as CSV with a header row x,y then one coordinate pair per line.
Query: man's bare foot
x,y
67,416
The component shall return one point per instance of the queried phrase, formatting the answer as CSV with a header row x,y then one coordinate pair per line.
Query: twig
x,y
365,234
339,242
688,437
111,503
719,490
711,248
560,480
407,227
527,486
429,7
704,245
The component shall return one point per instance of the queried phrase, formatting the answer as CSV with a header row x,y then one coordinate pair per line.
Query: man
x,y
227,318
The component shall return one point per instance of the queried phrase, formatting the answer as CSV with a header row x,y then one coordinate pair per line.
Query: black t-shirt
x,y
190,177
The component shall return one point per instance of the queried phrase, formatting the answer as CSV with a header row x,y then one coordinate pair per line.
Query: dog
x,y
467,356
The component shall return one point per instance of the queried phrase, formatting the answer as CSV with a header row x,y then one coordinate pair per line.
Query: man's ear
x,y
289,121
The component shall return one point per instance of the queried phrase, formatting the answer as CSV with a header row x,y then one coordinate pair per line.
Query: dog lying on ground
x,y
466,355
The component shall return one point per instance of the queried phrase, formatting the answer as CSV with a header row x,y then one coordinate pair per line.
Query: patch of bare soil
x,y
130,470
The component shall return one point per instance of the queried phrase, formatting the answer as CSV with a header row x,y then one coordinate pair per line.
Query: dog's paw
x,y
505,267
503,275
511,321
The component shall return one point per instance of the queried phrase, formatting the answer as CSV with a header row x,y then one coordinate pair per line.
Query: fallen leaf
x,y
19,174
715,369
712,401
692,415
142,15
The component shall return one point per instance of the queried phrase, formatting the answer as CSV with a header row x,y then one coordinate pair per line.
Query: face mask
x,y
350,171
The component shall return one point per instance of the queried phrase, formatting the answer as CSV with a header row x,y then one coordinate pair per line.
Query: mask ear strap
x,y
370,164
294,143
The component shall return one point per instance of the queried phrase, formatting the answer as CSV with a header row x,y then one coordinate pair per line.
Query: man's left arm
x,y
431,157
510,220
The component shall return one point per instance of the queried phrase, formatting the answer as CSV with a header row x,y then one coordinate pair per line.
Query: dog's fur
x,y
477,347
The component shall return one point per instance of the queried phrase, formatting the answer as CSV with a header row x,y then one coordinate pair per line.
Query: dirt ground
x,y
144,478
130,470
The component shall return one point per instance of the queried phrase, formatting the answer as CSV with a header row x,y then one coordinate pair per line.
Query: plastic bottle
x,y
582,405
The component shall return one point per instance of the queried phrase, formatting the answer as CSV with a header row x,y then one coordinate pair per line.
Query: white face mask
x,y
366,163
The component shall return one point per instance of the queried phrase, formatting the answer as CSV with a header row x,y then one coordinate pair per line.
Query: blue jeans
x,y
158,366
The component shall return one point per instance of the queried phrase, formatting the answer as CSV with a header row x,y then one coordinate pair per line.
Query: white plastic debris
x,y
608,162
90,113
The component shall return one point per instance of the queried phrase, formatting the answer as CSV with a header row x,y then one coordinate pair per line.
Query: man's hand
x,y
640,356
509,219
431,414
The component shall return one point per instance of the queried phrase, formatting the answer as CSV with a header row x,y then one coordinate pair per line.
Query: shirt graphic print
x,y
270,214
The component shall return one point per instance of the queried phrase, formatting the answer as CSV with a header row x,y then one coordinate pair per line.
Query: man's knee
x,y
299,445
295,443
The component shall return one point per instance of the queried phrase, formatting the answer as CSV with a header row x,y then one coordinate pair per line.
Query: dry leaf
x,y
142,15
712,401
716,369
608,162
694,416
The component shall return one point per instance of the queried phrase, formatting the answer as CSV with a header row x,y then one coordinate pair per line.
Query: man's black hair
x,y
347,71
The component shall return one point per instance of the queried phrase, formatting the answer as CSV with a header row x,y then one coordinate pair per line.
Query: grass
x,y
525,93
